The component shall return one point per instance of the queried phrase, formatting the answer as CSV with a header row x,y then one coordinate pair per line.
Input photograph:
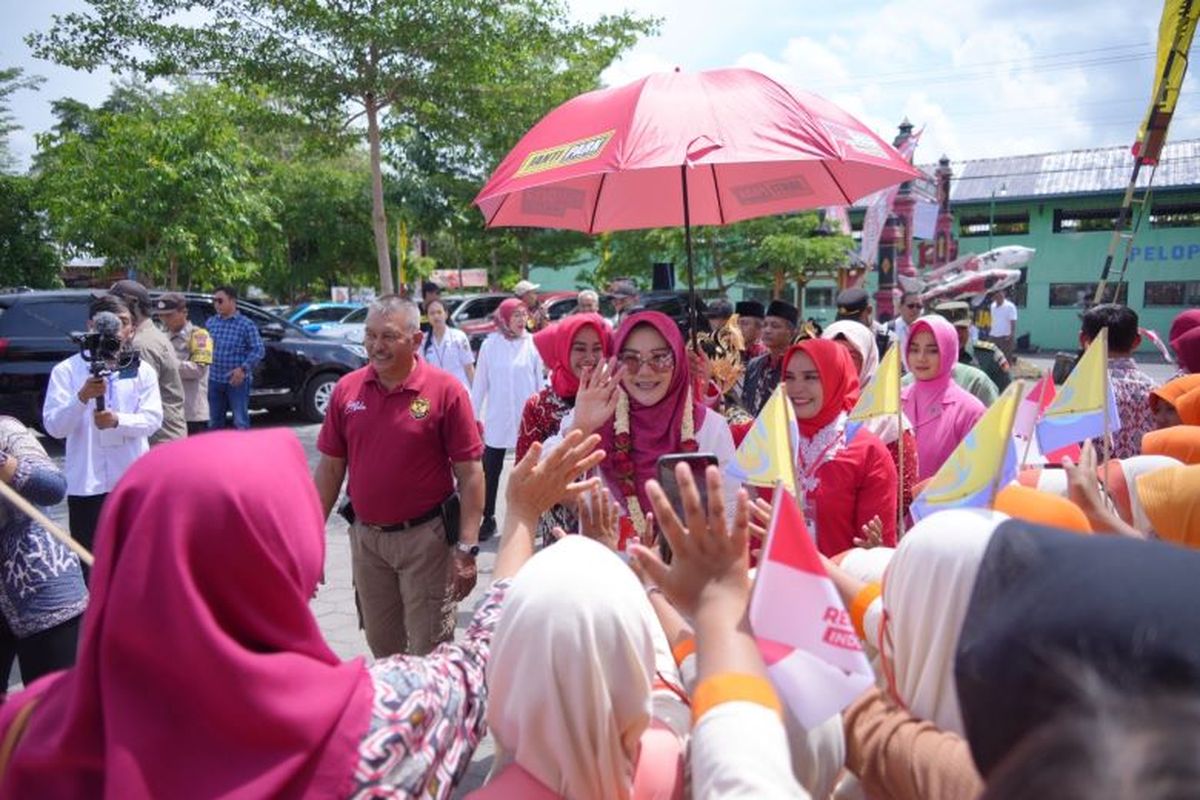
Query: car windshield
x,y
356,316
479,308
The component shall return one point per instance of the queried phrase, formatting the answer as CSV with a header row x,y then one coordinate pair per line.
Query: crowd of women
x,y
1044,647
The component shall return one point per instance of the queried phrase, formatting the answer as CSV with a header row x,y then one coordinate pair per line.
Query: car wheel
x,y
317,395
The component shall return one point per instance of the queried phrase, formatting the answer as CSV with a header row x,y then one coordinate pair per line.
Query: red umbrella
x,y
674,148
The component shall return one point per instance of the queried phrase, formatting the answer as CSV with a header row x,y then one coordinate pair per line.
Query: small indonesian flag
x,y
1029,412
804,633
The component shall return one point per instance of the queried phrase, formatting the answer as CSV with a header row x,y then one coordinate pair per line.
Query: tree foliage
x,y
438,65
167,187
27,255
12,80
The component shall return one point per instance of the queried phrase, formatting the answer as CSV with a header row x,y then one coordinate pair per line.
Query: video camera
x,y
103,349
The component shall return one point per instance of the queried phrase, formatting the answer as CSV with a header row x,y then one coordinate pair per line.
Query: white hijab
x,y
925,593
862,339
570,672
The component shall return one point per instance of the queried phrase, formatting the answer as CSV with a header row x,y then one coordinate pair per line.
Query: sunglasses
x,y
659,362
913,306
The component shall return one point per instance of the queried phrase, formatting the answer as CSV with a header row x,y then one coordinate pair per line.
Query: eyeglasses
x,y
659,362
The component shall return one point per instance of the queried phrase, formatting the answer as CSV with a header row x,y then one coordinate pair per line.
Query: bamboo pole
x,y
31,511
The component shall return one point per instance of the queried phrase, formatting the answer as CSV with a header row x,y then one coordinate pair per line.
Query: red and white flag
x,y
804,632
1032,406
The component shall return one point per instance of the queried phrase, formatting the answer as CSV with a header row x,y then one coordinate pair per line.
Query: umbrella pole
x,y
687,239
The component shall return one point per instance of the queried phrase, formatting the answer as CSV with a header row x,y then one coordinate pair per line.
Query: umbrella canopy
x,y
744,146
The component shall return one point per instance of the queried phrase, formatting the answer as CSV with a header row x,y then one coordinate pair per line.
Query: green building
x,y
1065,206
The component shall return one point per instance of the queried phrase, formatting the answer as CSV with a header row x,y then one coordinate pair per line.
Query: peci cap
x,y
852,302
750,308
524,287
784,310
171,301
718,307
132,292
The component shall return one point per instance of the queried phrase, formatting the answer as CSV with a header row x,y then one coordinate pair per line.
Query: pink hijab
x,y
941,412
504,315
554,342
654,430
202,672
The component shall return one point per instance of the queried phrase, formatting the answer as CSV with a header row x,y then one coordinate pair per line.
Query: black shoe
x,y
487,529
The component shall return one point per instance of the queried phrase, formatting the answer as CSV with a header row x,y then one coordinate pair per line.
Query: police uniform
x,y
990,358
194,348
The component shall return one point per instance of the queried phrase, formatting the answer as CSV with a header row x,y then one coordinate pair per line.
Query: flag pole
x,y
1018,390
1107,395
1033,433
900,528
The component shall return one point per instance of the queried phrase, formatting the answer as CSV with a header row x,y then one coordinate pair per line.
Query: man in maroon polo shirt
x,y
406,432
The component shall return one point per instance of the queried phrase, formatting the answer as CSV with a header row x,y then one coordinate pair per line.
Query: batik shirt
x,y
1131,390
428,715
762,376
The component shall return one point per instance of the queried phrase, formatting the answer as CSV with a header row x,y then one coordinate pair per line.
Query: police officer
x,y
194,348
982,354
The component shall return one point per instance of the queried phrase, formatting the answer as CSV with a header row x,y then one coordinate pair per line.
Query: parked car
x,y
299,370
318,313
675,305
561,304
351,327
472,314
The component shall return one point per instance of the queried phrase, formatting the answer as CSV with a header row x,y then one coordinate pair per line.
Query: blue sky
x,y
986,78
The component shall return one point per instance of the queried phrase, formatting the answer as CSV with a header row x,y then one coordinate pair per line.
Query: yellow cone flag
x,y
984,460
768,453
881,396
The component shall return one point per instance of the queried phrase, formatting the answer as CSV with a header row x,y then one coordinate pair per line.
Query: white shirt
x,y
452,354
1004,318
96,459
739,750
508,372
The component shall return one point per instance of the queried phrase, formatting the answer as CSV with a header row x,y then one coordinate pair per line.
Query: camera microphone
x,y
107,324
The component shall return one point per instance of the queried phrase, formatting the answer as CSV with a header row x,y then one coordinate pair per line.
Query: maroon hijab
x,y
201,672
654,430
554,346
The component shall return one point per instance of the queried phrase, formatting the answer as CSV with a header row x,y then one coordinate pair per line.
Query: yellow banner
x,y
1175,32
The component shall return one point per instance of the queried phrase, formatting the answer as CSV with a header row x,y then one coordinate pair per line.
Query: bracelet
x,y
683,649
651,589
859,606
729,687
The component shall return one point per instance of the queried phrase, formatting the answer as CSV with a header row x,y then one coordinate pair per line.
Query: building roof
x,y
1070,172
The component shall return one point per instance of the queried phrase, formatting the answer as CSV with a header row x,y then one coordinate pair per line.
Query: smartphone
x,y
698,462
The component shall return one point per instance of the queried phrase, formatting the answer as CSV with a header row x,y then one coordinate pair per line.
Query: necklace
x,y
814,452
623,458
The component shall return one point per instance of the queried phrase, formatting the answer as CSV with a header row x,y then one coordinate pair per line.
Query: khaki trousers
x,y
400,579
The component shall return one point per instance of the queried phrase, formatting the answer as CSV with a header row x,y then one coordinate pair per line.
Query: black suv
x,y
298,371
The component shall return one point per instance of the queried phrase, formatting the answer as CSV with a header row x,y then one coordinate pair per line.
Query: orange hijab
x,y
1041,508
1171,500
1180,441
1183,394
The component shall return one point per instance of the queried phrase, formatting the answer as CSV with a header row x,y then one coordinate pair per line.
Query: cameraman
x,y
107,417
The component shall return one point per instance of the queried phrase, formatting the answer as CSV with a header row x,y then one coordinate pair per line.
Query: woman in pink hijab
x,y
941,412
201,670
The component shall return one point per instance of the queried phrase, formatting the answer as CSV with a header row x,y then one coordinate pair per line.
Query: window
x,y
479,308
356,316
1172,293
327,314
1085,220
49,317
820,296
1177,215
1078,295
997,225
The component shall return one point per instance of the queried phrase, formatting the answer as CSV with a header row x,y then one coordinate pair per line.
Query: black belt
x,y
412,523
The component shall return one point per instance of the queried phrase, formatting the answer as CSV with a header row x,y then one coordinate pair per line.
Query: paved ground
x,y
334,603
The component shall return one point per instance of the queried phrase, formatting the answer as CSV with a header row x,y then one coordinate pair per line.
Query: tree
x,y
12,80
792,248
27,256
431,64
168,187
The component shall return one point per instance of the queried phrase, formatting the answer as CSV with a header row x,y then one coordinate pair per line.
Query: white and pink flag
x,y
804,632
1033,405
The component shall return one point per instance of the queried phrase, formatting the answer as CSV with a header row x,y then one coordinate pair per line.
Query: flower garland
x,y
623,458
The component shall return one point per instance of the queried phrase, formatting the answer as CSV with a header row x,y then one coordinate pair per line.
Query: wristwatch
x,y
470,549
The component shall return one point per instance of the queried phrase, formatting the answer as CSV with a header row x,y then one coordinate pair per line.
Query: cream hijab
x,y
862,339
926,591
570,672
